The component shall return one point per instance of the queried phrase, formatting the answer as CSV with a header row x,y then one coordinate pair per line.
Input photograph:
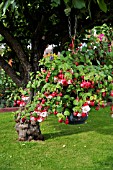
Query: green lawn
x,y
66,147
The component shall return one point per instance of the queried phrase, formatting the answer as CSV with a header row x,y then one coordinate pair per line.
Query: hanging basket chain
x,y
69,26
75,28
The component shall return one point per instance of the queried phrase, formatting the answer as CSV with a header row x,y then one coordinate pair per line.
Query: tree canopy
x,y
39,23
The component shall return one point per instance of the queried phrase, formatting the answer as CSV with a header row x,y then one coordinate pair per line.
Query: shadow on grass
x,y
106,164
101,123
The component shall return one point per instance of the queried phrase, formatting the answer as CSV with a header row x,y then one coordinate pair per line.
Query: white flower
x,y
79,114
40,119
44,114
25,98
49,97
69,82
85,109
55,79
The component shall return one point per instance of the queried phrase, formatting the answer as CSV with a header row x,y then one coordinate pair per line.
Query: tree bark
x,y
17,48
8,69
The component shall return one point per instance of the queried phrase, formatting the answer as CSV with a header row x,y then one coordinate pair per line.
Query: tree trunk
x,y
28,131
17,48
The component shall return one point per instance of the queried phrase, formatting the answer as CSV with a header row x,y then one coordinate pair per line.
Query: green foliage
x,y
69,83
78,4
102,5
7,90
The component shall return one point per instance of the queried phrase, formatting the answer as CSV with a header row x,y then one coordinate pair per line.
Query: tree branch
x,y
9,70
15,45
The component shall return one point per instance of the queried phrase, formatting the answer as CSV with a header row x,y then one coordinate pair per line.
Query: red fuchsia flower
x,y
40,119
60,94
32,118
80,45
48,75
76,63
54,94
100,36
22,103
23,119
75,113
55,112
43,101
82,77
71,45
67,121
103,94
111,108
47,79
60,120
111,94
18,102
85,84
60,76
97,108
64,82
84,114
15,103
46,94
92,103
103,105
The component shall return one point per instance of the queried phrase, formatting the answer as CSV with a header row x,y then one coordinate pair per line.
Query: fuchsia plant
x,y
70,84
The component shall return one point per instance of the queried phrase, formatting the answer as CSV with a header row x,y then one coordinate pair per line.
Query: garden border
x,y
9,109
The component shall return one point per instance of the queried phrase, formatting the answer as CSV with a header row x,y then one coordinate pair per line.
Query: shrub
x,y
7,86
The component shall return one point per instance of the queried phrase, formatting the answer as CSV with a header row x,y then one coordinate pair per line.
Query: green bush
x,y
7,86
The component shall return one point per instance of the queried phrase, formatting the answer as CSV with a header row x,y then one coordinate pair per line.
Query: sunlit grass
x,y
87,146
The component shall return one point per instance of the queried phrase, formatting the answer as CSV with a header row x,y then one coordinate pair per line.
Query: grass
x,y
87,146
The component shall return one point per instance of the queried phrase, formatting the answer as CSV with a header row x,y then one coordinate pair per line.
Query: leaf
x,y
7,4
67,113
75,102
102,5
0,81
59,109
78,4
109,78
66,96
67,11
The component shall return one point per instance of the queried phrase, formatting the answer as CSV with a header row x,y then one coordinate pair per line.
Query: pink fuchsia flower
x,y
22,103
100,36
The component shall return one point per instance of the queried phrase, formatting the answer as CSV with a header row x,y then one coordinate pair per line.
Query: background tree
x,y
39,23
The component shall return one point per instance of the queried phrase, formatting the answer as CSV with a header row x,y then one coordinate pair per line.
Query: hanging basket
x,y
77,120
